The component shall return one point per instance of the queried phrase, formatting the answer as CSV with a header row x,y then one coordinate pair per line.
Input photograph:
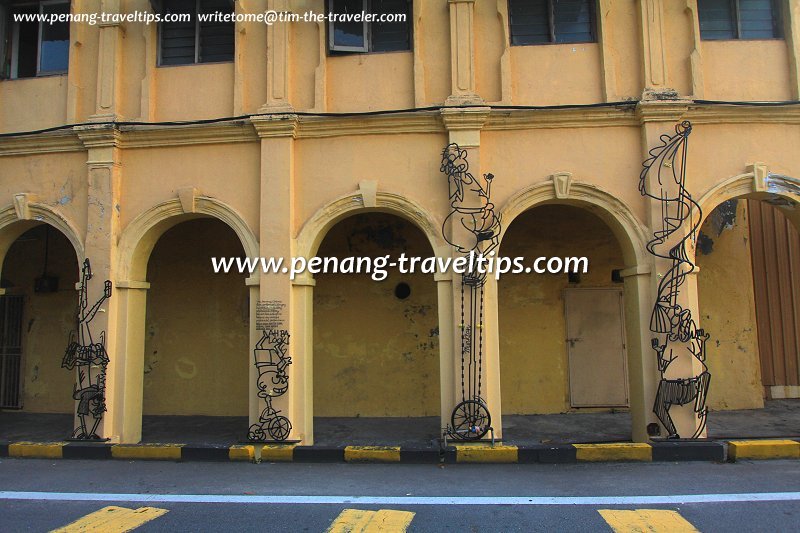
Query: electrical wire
x,y
241,118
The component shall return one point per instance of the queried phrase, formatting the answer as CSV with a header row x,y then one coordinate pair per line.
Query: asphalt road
x,y
41,495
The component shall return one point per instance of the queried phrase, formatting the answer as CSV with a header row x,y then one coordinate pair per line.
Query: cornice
x,y
159,136
53,142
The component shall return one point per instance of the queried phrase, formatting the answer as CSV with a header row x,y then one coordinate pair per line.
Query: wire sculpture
x,y
271,360
679,344
475,231
90,358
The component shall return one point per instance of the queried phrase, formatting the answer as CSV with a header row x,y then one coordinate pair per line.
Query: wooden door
x,y
596,346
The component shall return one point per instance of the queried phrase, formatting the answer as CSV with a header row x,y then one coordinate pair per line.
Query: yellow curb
x,y
618,451
763,449
41,450
277,452
164,452
241,453
485,453
372,454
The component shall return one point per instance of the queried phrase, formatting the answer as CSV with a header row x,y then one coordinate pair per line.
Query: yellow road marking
x,y
113,520
383,521
646,520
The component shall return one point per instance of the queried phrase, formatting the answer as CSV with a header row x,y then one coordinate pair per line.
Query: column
x,y
654,54
276,231
103,225
109,64
462,53
658,118
278,62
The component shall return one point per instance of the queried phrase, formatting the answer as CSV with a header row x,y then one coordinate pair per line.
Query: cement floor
x,y
779,418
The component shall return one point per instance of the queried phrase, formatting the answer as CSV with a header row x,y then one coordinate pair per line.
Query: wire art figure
x,y
680,345
475,231
271,360
91,360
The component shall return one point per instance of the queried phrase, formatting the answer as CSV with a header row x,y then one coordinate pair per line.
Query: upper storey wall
x,y
639,45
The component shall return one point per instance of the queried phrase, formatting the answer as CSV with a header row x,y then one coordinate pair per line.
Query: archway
x,y
196,337
376,349
562,335
748,251
38,304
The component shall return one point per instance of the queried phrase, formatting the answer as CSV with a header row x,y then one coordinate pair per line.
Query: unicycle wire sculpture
x,y
271,360
91,360
679,344
475,231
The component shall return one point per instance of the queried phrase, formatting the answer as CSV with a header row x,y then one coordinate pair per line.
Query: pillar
x,y
462,53
109,65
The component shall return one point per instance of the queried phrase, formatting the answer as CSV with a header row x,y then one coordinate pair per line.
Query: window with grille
x,y
10,351
191,41
739,19
552,21
363,36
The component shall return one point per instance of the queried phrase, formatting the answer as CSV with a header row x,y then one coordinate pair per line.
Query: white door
x,y
596,346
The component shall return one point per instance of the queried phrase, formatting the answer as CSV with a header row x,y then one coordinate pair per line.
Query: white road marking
x,y
405,500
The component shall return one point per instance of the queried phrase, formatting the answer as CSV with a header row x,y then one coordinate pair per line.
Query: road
x,y
42,495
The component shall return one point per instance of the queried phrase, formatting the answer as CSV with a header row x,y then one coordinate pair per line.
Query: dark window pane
x,y
178,38
54,56
530,21
391,36
573,21
28,46
717,20
216,38
757,19
350,34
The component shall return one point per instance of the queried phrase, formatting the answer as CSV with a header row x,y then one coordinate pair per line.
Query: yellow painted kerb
x,y
42,450
619,451
486,453
167,452
241,453
372,454
277,452
764,449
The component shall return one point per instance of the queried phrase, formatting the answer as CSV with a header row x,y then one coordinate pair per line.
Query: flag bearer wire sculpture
x,y
271,360
91,360
679,344
475,230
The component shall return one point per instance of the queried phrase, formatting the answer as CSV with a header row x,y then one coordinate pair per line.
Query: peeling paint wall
x,y
48,318
727,308
534,369
374,353
196,337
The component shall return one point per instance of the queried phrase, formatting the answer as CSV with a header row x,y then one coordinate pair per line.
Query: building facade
x,y
150,148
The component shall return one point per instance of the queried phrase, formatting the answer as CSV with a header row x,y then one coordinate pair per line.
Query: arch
x,y
140,236
623,223
747,184
39,213
314,230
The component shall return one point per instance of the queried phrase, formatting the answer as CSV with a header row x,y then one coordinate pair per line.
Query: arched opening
x,y
562,335
196,337
748,252
376,346
38,304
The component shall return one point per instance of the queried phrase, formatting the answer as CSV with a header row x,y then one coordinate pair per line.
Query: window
x,y
391,34
739,19
188,41
552,21
33,48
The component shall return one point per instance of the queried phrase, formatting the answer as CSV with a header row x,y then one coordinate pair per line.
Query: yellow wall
x,y
374,354
534,371
48,318
196,345
727,312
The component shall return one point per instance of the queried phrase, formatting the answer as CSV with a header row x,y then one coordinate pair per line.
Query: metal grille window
x,y
10,351
33,48
191,41
363,36
552,21
739,19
